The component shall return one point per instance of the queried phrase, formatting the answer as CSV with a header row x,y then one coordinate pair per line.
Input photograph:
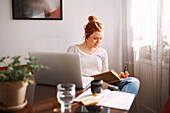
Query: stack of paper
x,y
112,99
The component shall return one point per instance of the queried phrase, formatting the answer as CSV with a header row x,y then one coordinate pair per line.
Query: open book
x,y
107,98
108,76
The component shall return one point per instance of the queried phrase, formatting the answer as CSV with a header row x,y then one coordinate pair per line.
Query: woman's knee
x,y
134,80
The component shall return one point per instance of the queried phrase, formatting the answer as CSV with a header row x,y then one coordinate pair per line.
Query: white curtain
x,y
146,47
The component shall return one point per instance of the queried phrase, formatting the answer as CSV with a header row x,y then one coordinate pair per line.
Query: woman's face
x,y
94,40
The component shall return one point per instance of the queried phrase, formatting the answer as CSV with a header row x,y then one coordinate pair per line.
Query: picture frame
x,y
37,9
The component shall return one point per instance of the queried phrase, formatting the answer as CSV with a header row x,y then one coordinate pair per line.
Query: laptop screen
x,y
63,68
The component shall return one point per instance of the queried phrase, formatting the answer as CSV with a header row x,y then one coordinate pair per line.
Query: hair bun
x,y
92,19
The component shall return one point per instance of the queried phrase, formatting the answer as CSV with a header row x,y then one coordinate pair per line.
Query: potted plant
x,y
14,79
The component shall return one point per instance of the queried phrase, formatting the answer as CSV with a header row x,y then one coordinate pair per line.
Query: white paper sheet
x,y
112,99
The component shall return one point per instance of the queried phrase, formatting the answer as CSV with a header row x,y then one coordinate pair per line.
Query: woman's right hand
x,y
123,75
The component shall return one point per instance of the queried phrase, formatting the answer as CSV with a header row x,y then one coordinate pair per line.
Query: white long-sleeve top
x,y
94,63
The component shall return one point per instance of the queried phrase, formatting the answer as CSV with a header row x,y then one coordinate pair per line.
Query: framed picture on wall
x,y
37,9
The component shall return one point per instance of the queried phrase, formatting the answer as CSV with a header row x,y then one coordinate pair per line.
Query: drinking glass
x,y
65,95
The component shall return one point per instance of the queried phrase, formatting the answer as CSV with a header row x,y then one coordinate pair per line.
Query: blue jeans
x,y
129,85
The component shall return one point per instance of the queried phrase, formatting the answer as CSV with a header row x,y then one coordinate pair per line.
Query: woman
x,y
94,58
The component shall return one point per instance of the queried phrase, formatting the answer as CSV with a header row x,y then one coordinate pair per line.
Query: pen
x,y
124,69
87,87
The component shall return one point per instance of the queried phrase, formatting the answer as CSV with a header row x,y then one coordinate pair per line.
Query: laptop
x,y
62,68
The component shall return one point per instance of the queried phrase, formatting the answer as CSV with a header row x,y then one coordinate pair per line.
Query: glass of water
x,y
65,95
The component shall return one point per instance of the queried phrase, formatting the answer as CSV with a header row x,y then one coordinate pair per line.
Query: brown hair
x,y
92,26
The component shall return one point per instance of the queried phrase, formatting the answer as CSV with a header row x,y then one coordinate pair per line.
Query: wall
x,y
17,37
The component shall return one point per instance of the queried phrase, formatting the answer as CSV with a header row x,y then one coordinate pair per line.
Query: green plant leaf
x,y
18,72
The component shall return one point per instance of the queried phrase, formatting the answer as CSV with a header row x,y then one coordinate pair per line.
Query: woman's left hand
x,y
124,75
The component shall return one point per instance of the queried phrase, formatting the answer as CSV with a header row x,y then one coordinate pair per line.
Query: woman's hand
x,y
123,75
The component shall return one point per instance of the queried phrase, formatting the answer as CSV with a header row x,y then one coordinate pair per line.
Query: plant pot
x,y
12,93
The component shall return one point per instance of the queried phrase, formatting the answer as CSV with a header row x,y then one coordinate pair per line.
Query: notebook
x,y
63,68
